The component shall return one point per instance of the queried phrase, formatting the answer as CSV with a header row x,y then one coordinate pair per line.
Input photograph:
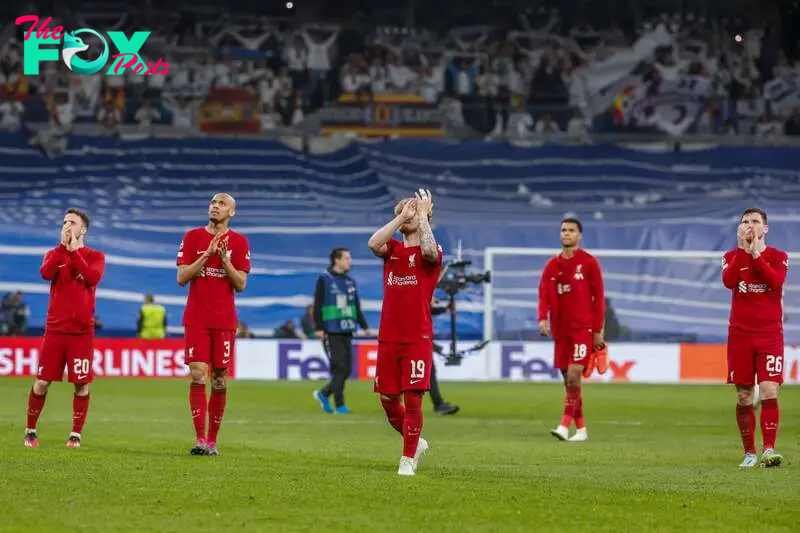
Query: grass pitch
x,y
659,458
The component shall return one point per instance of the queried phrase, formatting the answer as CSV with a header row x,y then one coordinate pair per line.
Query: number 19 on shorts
x,y
417,368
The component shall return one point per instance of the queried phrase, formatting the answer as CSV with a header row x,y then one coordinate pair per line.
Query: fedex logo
x,y
304,361
516,365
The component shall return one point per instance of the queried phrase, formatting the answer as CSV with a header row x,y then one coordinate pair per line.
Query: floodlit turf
x,y
659,458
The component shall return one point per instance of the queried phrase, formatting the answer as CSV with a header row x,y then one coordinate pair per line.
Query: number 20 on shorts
x,y
80,366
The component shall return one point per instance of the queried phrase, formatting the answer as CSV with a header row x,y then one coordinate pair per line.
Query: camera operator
x,y
337,312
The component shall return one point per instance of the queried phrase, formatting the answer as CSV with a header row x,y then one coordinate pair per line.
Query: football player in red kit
x,y
755,273
215,261
572,310
73,270
411,270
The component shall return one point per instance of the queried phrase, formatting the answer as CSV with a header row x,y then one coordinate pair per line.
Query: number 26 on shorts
x,y
774,364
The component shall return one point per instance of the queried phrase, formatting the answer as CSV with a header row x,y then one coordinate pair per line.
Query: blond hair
x,y
402,203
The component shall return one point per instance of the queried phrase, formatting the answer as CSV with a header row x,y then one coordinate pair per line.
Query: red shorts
x,y
751,355
213,347
573,348
403,367
76,352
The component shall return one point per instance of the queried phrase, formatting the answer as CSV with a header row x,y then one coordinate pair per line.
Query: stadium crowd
x,y
531,72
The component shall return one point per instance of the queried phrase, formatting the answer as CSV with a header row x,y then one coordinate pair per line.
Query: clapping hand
x,y
222,250
66,236
213,246
409,210
742,234
424,203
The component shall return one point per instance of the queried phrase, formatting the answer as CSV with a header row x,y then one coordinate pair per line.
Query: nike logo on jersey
x,y
744,268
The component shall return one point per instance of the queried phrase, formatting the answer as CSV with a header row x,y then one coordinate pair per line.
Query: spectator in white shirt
x,y
520,122
546,124
268,87
269,118
146,114
296,57
183,110
319,61
769,126
298,111
379,77
355,81
224,75
400,76
10,114
109,116
577,124
431,83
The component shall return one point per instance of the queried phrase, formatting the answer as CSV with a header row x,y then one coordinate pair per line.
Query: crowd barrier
x,y
305,360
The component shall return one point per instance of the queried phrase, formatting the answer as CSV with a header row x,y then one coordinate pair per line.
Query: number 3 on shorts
x,y
417,368
580,352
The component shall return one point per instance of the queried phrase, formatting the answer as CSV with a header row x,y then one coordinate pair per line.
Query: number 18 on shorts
x,y
573,349
403,367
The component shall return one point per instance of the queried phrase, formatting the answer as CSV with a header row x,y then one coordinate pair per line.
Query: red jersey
x,y
211,302
73,278
571,292
757,289
408,284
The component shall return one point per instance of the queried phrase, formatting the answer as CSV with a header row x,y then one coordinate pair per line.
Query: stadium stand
x,y
295,206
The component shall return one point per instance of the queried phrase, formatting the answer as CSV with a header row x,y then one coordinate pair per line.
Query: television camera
x,y
454,279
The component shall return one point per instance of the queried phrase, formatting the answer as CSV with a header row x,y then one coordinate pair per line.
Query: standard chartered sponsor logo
x,y
401,280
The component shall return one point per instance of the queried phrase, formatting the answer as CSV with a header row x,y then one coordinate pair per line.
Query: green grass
x,y
659,458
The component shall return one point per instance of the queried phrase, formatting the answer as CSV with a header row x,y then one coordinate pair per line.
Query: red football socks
x,y
216,410
770,417
80,406
412,422
580,423
570,405
197,402
35,406
395,412
746,418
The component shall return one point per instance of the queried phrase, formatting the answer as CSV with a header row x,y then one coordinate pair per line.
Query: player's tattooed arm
x,y
427,242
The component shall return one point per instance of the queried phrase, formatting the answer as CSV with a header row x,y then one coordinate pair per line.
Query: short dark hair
x,y
82,214
573,220
337,253
751,210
